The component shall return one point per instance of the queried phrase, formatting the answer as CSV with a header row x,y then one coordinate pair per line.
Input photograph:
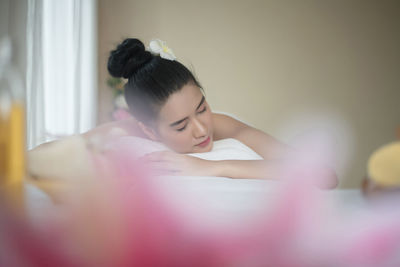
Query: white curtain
x,y
62,68
36,133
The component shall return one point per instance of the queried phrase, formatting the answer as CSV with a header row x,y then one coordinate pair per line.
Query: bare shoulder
x,y
264,144
225,126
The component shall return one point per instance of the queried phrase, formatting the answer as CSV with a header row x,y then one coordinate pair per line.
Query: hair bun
x,y
127,58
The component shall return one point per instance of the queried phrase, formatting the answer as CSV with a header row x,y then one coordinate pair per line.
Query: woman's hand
x,y
168,162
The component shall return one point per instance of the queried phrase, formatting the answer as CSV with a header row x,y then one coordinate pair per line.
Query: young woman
x,y
169,106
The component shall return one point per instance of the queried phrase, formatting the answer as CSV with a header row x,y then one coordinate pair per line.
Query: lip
x,y
205,142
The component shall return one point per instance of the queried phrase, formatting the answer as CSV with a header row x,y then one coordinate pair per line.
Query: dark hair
x,y
151,79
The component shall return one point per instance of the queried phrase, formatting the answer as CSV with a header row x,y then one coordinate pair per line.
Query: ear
x,y
148,131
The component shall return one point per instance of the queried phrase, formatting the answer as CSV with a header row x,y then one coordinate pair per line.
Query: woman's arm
x,y
168,162
322,177
277,156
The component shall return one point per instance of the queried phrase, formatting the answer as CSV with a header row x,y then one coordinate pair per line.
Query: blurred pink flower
x,y
122,219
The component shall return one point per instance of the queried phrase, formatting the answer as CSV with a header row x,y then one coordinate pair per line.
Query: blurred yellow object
x,y
12,158
12,130
384,165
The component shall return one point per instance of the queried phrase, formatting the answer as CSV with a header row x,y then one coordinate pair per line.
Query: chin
x,y
208,148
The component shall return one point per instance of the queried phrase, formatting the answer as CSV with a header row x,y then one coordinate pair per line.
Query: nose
x,y
199,129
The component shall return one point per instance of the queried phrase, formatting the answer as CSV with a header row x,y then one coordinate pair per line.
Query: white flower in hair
x,y
160,47
120,102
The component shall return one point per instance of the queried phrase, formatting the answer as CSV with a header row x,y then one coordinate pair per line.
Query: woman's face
x,y
184,123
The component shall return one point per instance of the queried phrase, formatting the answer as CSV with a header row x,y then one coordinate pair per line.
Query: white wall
x,y
274,62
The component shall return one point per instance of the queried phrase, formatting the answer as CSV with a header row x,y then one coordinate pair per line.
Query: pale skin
x,y
186,124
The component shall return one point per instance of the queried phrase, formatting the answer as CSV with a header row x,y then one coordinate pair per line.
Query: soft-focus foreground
x,y
124,216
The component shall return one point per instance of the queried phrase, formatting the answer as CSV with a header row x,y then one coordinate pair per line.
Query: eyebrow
x,y
182,120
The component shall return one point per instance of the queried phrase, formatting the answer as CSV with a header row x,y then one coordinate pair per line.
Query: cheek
x,y
179,142
208,121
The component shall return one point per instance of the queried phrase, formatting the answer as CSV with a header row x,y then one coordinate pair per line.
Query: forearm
x,y
322,176
249,169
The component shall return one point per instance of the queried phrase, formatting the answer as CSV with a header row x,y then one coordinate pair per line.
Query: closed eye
x,y
203,110
181,129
